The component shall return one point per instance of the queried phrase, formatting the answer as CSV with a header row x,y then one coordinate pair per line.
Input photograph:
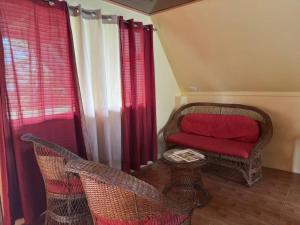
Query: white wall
x,y
233,45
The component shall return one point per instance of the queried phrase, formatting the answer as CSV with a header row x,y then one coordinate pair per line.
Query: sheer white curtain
x,y
97,52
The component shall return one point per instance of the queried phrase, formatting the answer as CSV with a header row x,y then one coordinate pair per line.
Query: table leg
x,y
186,185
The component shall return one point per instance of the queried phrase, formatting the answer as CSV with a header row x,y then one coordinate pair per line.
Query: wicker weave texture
x,y
66,201
117,196
250,168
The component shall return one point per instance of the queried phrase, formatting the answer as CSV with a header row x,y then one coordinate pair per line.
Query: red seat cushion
x,y
240,128
216,145
164,218
72,186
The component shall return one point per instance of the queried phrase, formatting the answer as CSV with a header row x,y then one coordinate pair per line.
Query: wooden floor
x,y
275,200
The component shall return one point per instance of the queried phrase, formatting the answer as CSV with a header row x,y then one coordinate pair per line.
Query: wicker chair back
x,y
66,201
115,197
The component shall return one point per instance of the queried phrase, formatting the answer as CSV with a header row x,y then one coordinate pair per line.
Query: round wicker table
x,y
186,186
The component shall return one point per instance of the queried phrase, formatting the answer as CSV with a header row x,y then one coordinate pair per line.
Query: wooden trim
x,y
154,13
175,7
126,7
243,93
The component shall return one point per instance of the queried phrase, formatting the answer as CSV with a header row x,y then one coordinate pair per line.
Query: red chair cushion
x,y
216,145
163,219
240,128
72,186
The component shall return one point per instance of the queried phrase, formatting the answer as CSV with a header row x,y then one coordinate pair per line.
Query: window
x,y
36,91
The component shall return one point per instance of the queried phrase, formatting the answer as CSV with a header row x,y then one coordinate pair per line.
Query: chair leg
x,y
188,221
252,172
46,219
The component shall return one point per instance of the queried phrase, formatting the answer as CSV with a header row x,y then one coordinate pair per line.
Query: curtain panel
x,y
98,64
139,133
39,94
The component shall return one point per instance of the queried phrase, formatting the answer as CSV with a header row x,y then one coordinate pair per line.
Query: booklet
x,y
187,155
175,157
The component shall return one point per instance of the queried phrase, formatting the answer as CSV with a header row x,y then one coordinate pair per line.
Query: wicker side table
x,y
186,186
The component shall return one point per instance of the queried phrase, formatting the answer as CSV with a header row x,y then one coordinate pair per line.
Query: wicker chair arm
x,y
54,147
265,137
111,176
171,127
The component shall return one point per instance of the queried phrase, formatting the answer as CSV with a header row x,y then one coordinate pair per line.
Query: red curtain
x,y
39,94
139,134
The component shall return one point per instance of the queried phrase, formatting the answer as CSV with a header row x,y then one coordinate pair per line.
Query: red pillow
x,y
71,186
240,128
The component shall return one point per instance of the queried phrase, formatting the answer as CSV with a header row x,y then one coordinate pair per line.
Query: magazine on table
x,y
175,157
187,155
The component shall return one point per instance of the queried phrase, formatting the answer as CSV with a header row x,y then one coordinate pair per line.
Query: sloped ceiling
x,y
233,45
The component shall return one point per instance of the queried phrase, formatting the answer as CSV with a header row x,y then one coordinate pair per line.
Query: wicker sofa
x,y
239,148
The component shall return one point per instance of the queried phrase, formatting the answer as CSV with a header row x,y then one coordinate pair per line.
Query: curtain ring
x,y
50,2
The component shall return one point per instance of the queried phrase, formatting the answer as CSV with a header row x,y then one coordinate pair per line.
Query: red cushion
x,y
164,218
72,186
240,128
216,145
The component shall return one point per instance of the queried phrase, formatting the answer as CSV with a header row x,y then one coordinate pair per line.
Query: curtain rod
x,y
94,14
90,14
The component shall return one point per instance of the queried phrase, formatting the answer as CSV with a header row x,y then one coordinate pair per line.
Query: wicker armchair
x,y
250,168
66,201
117,198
